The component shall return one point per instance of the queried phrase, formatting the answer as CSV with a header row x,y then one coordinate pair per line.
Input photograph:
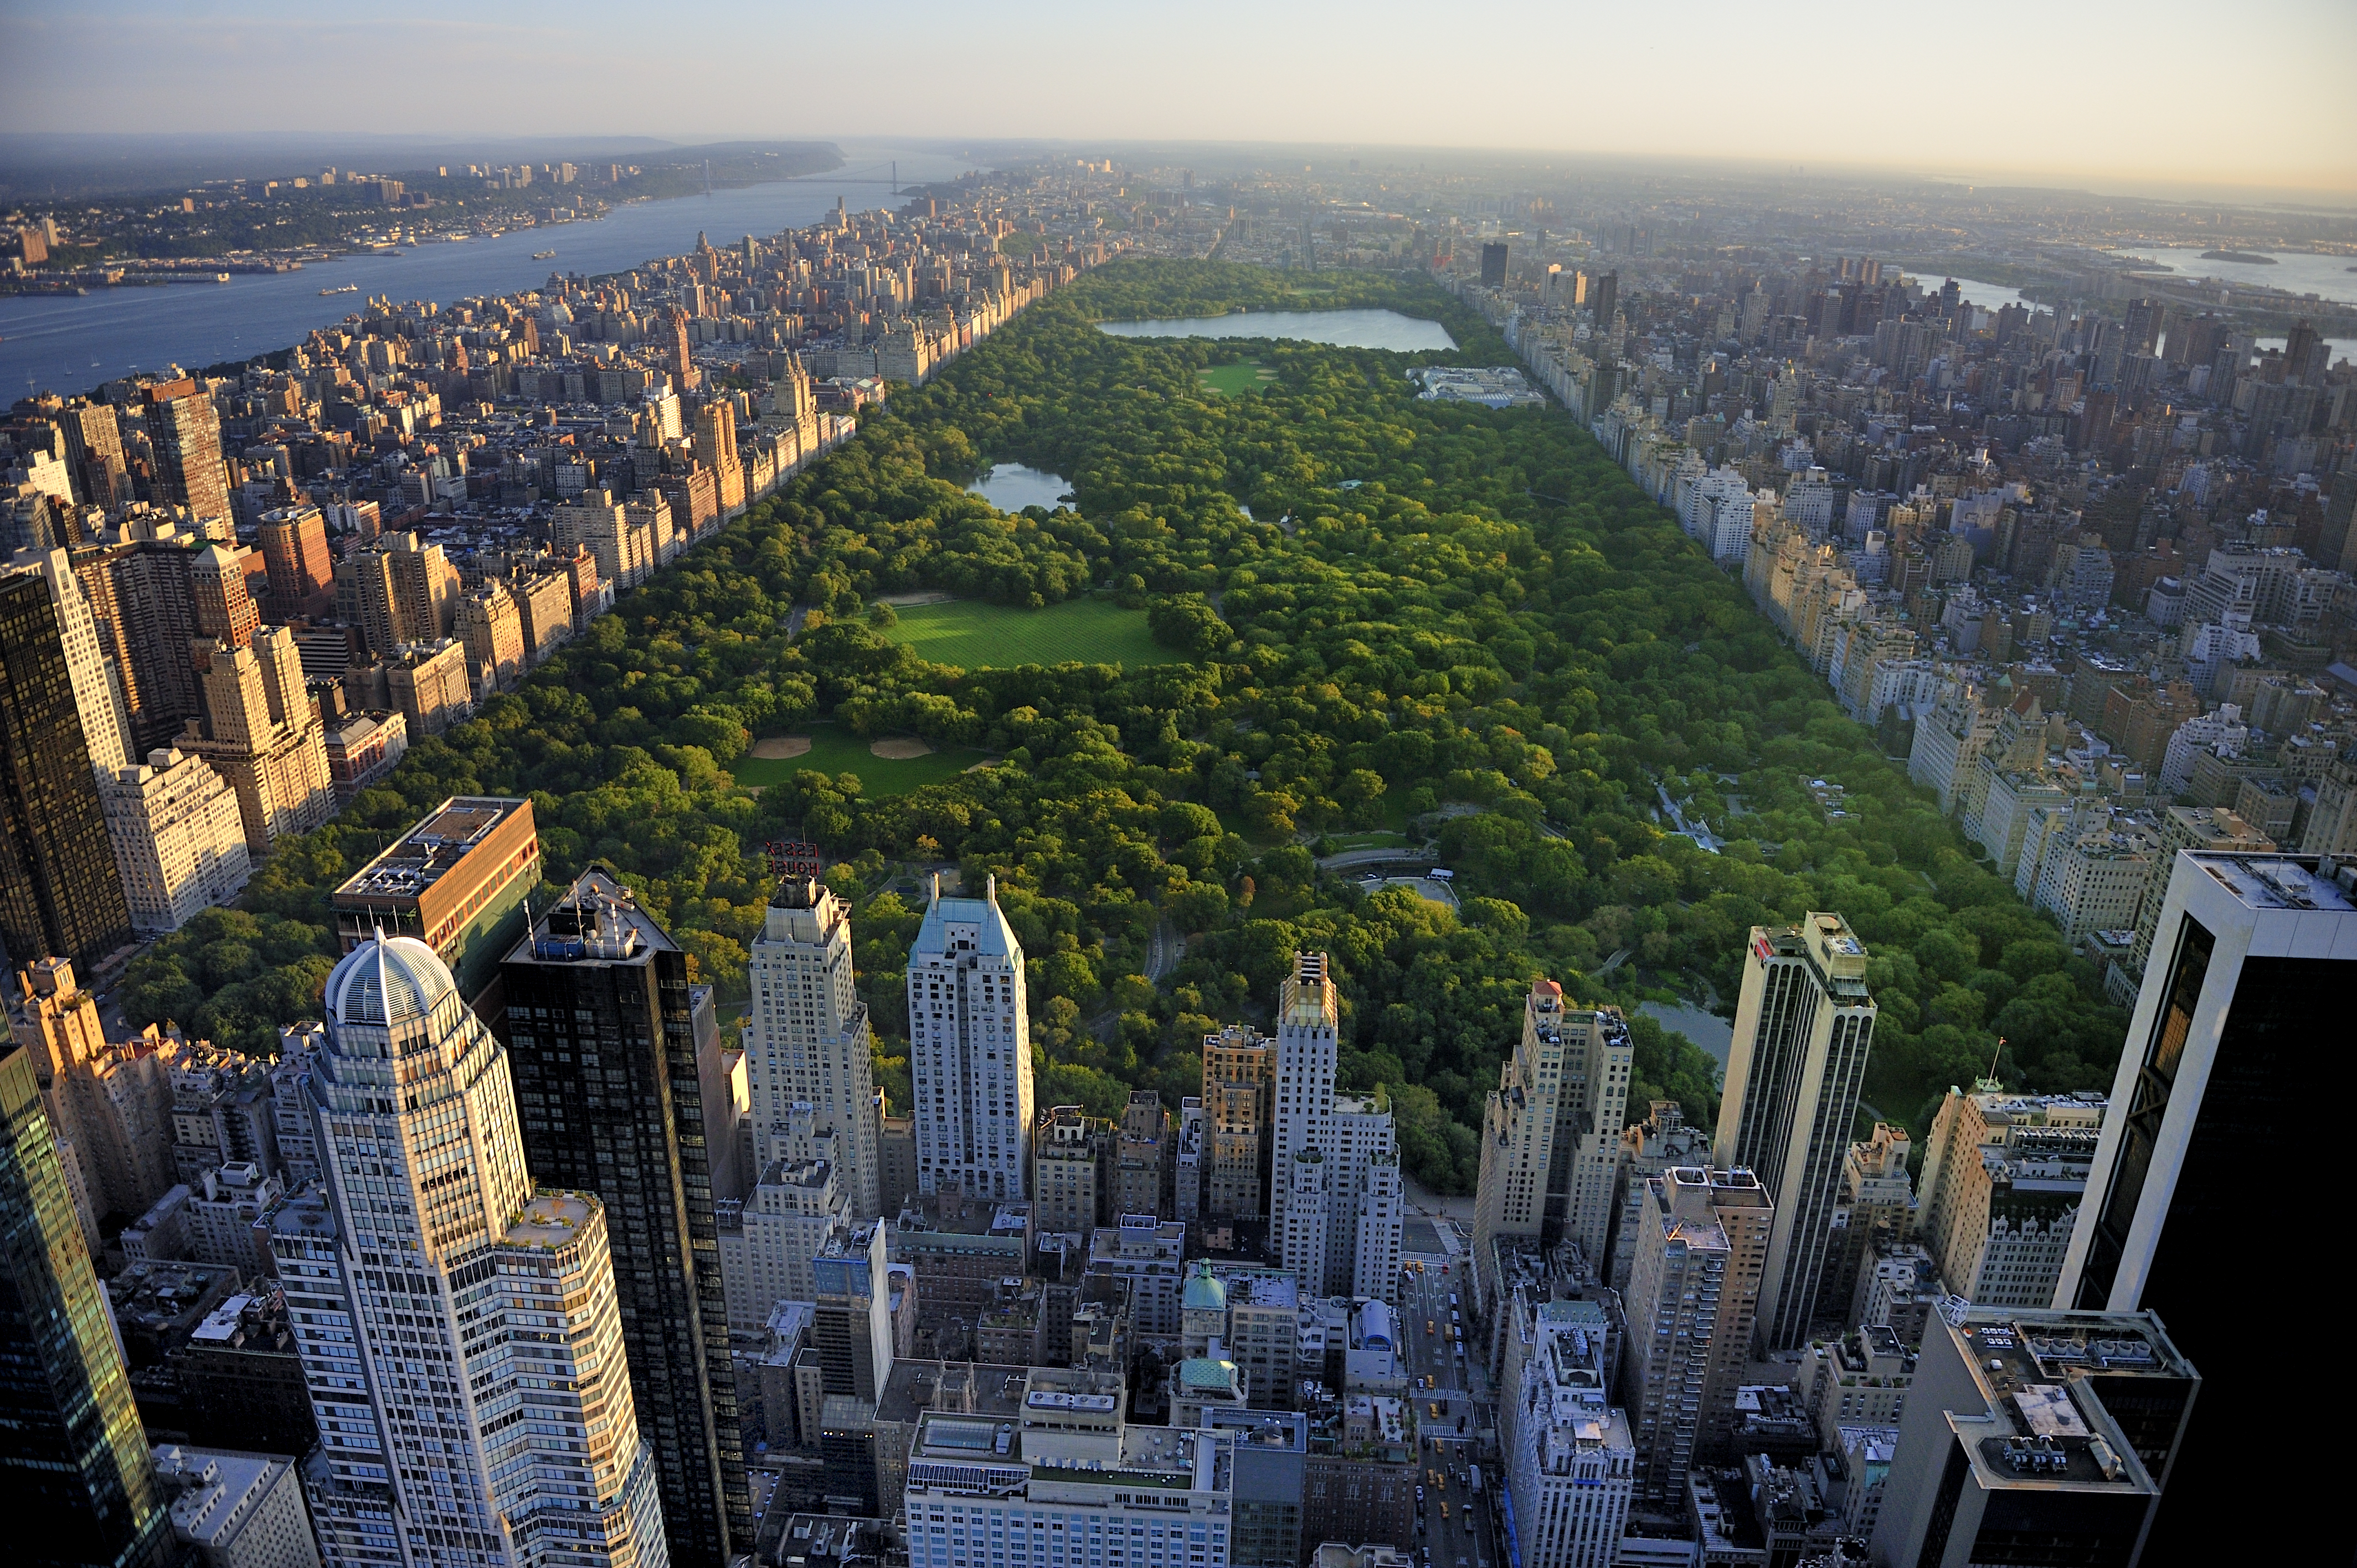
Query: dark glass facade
x,y
2279,1025
60,892
2147,1108
602,1042
2282,1042
76,1485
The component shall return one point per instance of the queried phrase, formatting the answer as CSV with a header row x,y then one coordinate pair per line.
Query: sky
x,y
2150,93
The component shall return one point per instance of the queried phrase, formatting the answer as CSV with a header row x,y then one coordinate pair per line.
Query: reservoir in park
x,y
1336,328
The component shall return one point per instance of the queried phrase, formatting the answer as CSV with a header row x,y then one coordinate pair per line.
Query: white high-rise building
x,y
1305,1057
98,695
1061,1481
1336,1210
797,1210
179,839
970,1048
459,1331
1573,1470
1381,1219
1804,1024
809,1039
1299,1236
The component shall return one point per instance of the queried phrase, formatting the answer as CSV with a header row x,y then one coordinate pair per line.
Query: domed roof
x,y
1203,1294
387,981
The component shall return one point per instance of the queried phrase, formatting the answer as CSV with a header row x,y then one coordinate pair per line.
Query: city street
x,y
1452,1397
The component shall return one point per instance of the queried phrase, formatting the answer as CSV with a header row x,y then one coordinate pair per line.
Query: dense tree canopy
x,y
1391,611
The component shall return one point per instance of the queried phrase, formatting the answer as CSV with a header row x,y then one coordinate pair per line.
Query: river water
x,y
2327,278
1340,328
1994,296
71,343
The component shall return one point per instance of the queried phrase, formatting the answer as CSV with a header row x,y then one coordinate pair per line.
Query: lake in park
x,y
1337,328
1714,1034
1011,487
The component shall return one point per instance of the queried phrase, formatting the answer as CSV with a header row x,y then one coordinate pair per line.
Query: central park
x,y
1147,708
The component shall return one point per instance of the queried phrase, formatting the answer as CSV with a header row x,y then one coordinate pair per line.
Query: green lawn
x,y
974,635
1229,381
836,750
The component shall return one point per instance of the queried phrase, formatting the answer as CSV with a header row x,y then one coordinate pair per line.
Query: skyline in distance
x,y
1805,88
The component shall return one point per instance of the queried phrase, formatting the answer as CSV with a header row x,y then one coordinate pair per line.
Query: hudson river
x,y
71,343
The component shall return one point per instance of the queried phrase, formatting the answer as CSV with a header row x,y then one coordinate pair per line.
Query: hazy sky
x,y
2256,93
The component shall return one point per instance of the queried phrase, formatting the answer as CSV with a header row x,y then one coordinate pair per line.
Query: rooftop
x,y
965,1387
2276,881
2046,1424
599,921
433,848
553,1219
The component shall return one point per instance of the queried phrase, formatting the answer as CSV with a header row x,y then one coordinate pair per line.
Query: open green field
x,y
974,635
1229,381
834,749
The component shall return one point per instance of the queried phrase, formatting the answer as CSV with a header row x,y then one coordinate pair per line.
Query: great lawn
x,y
975,635
833,749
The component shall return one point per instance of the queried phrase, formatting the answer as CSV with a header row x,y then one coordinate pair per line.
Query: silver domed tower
x,y
447,1271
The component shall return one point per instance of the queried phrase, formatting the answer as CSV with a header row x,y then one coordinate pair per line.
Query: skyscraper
x,y
180,842
969,1049
809,1042
265,735
110,1103
1239,1096
1802,1025
609,1072
146,616
2004,1176
2037,1436
1571,1460
2243,1011
458,1330
1070,1153
185,430
224,605
716,446
1305,1057
1336,1210
1693,1294
295,552
74,1472
96,698
94,446
1551,1133
59,889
